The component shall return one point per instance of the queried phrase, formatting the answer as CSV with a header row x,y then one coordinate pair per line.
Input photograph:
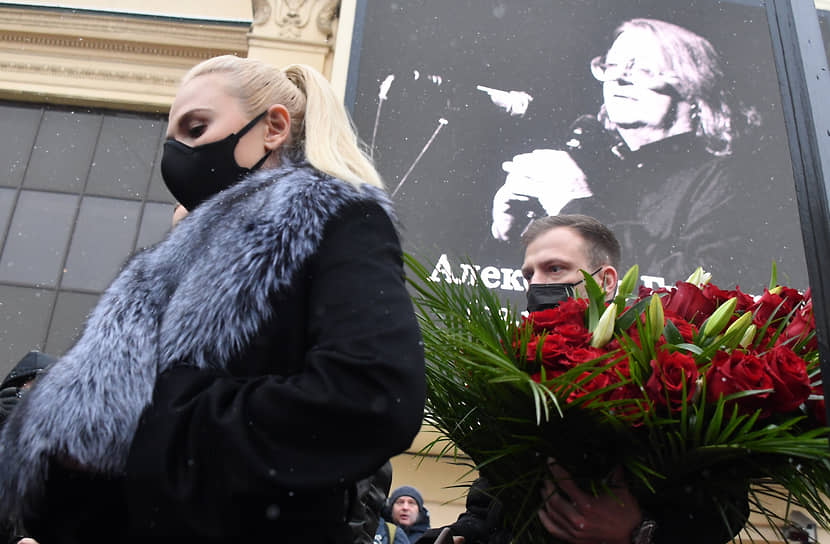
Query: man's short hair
x,y
601,244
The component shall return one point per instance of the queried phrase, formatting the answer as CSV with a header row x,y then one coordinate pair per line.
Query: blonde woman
x,y
240,377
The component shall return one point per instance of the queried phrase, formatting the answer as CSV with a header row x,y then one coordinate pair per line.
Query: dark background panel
x,y
24,320
35,247
543,48
96,254
124,157
19,130
70,313
65,144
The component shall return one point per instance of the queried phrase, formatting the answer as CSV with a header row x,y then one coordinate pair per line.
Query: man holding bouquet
x,y
557,251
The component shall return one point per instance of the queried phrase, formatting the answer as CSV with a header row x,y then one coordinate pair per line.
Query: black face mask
x,y
543,296
194,174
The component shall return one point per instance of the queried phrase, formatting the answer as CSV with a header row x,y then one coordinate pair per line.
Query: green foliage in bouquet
x,y
697,392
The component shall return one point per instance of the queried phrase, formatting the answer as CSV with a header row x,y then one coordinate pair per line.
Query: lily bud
x,y
749,336
694,279
740,324
629,280
720,317
605,327
699,277
656,317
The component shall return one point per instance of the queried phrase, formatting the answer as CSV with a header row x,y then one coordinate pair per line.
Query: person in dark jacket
x,y
12,389
406,509
230,382
19,379
389,533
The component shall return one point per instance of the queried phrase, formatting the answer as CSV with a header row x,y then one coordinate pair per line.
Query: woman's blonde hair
x,y
321,130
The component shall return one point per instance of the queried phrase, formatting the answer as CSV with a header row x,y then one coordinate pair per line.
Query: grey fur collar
x,y
178,301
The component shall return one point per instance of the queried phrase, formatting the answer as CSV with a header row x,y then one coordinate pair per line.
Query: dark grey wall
x,y
80,191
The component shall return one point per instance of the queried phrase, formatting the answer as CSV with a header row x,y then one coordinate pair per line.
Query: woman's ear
x,y
277,127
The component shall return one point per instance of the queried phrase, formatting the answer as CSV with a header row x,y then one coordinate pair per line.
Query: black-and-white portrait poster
x,y
660,118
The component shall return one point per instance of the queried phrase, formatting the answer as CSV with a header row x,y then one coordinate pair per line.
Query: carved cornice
x,y
87,73
105,59
17,40
292,17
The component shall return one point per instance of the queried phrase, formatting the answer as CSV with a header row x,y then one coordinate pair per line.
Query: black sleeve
x,y
210,441
687,514
481,523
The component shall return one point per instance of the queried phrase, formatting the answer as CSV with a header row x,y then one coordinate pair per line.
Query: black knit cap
x,y
407,491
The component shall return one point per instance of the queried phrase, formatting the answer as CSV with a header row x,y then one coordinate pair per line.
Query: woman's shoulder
x,y
316,192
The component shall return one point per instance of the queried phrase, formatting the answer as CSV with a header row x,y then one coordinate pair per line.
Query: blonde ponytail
x,y
330,140
321,129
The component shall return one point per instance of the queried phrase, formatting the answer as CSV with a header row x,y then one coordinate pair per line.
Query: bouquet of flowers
x,y
702,395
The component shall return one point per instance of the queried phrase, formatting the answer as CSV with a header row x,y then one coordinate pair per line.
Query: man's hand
x,y
575,516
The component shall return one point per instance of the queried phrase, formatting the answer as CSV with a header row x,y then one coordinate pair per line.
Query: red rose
x,y
687,301
584,354
738,371
801,325
636,407
588,385
558,344
775,306
646,292
671,371
719,296
789,377
686,329
570,311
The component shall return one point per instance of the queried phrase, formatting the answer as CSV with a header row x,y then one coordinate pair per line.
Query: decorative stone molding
x,y
327,16
286,31
262,11
109,60
292,17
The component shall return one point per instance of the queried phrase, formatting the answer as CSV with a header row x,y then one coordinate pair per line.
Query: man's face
x,y
556,256
405,511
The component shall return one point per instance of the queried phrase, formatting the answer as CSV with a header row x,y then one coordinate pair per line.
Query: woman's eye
x,y
196,130
555,269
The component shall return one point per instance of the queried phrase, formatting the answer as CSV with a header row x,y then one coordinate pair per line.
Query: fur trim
x,y
197,298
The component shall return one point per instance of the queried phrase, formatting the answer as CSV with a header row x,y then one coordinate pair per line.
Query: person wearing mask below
x,y
557,250
405,508
230,382
667,164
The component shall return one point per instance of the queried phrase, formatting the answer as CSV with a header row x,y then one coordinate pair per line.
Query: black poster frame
x,y
804,83
804,80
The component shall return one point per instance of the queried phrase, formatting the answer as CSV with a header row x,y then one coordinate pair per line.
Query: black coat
x,y
262,417
684,515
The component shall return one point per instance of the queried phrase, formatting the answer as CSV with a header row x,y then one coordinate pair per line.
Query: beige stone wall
x,y
130,54
221,10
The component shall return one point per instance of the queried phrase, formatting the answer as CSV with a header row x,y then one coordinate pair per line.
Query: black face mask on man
x,y
194,174
543,296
